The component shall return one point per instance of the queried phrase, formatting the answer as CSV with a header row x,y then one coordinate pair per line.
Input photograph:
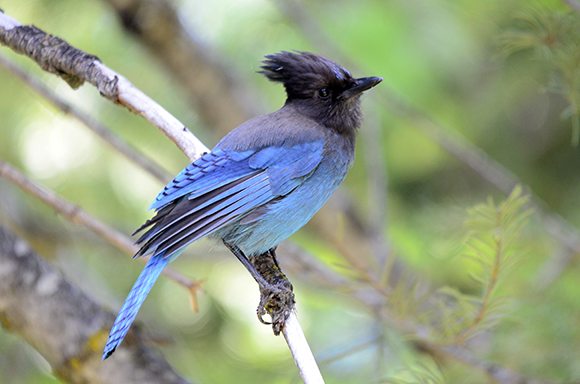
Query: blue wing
x,y
221,187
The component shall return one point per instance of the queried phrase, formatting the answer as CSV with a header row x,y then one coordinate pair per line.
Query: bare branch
x,y
303,357
77,215
98,128
66,326
56,56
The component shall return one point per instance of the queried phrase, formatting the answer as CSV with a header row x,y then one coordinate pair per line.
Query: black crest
x,y
303,72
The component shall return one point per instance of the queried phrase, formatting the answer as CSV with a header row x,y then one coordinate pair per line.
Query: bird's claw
x,y
277,301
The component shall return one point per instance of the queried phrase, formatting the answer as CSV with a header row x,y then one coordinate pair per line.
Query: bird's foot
x,y
276,296
277,301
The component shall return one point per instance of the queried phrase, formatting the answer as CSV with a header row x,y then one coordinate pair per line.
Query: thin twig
x,y
77,215
303,357
98,128
367,342
484,305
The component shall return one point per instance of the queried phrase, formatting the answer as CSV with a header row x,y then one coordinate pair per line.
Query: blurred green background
x,y
502,74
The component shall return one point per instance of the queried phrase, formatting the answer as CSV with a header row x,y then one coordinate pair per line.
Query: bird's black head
x,y
319,88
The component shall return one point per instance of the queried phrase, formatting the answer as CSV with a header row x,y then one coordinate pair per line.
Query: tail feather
x,y
133,302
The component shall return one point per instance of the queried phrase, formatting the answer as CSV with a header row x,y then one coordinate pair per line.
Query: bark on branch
x,y
65,325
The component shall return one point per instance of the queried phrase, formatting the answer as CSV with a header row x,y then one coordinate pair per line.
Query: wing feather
x,y
213,223
221,187
194,219
181,209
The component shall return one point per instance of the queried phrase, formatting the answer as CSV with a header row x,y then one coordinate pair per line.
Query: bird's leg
x,y
276,297
246,263
276,291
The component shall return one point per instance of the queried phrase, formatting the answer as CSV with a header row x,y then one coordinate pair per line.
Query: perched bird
x,y
263,181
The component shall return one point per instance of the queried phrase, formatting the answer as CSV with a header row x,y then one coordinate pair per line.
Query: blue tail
x,y
133,302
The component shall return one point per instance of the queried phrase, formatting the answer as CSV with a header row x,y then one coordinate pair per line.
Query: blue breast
x,y
280,219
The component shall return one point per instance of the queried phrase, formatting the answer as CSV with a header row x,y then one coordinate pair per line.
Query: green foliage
x,y
553,38
492,244
425,372
451,317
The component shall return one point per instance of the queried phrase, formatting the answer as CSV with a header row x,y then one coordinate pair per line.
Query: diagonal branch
x,y
56,56
98,128
77,215
65,325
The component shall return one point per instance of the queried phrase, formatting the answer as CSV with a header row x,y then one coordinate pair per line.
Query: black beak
x,y
360,85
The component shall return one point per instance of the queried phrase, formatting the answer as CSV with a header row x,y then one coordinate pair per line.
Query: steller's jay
x,y
263,181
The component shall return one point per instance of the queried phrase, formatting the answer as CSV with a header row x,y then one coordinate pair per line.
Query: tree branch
x,y
77,215
56,56
66,326
98,128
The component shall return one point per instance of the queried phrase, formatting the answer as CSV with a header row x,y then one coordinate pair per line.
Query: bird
x,y
261,182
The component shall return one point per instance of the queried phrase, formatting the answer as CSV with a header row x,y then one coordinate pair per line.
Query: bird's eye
x,y
323,92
